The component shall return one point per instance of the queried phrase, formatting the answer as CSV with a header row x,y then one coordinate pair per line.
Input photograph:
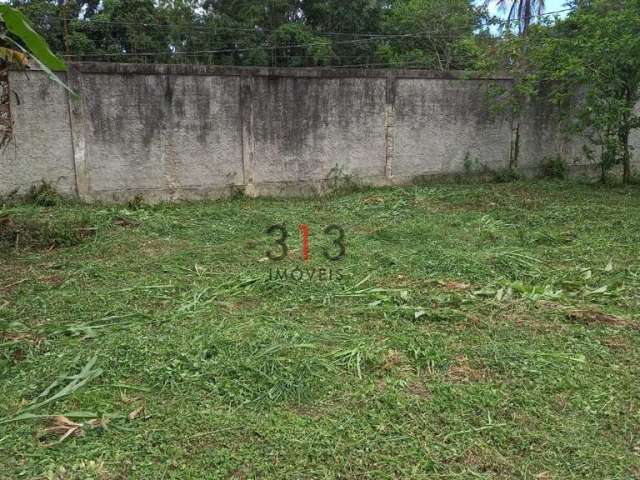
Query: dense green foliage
x,y
422,33
476,332
588,64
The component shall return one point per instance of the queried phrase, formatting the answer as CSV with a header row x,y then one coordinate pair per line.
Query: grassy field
x,y
471,331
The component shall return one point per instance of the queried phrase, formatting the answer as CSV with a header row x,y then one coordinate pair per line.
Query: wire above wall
x,y
441,45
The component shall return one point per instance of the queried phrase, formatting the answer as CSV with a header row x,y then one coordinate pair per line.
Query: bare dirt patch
x,y
461,371
594,317
617,343
454,285
392,359
53,280
417,388
125,222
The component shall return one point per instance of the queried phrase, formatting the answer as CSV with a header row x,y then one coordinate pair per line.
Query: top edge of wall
x,y
311,72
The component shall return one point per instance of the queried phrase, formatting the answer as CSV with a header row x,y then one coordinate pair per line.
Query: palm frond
x,y
520,11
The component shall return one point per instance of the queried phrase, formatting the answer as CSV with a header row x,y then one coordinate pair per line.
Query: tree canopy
x,y
588,65
286,33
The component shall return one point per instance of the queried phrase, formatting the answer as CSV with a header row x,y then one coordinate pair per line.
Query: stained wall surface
x,y
171,132
42,144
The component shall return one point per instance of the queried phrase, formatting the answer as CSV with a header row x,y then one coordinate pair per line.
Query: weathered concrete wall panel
x,y
540,138
442,124
42,147
307,129
165,137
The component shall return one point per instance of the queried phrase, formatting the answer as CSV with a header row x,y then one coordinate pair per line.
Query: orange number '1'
x,y
304,230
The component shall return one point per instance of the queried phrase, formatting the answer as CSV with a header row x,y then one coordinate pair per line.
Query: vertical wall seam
x,y
515,145
241,110
247,133
73,146
76,120
389,124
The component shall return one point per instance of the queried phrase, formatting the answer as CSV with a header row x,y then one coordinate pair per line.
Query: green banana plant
x,y
30,45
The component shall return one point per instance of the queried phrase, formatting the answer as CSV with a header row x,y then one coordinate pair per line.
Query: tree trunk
x,y
624,140
626,160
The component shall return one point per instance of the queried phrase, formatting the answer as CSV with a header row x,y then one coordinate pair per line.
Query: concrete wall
x,y
441,123
162,136
187,132
42,147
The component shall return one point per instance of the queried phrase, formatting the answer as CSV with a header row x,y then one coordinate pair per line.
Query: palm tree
x,y
521,11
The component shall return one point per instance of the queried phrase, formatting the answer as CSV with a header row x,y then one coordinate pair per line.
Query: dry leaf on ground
x,y
62,427
136,413
453,285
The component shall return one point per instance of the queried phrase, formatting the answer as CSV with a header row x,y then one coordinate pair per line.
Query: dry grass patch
x,y
461,371
594,317
417,388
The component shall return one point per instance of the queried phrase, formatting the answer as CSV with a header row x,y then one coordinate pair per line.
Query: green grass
x,y
472,331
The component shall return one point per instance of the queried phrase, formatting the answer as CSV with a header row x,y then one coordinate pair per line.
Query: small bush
x,y
44,195
505,175
635,177
136,203
554,167
10,198
22,233
340,183
472,165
